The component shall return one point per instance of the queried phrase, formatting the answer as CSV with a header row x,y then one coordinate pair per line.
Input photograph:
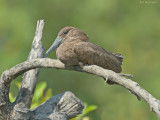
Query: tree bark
x,y
59,107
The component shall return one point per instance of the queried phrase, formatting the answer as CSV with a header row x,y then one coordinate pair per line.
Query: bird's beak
x,y
55,44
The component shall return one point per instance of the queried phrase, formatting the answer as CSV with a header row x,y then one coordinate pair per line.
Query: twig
x,y
126,75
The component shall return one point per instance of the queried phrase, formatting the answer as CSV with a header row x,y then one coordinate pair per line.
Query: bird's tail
x,y
119,57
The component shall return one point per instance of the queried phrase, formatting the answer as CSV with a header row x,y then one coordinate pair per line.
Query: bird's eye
x,y
65,32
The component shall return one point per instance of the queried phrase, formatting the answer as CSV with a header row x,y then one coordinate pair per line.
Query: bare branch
x,y
24,98
60,107
132,86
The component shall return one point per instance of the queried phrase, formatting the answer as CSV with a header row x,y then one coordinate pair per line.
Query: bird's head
x,y
67,34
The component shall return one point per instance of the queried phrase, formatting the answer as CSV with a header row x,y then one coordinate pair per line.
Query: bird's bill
x,y
55,44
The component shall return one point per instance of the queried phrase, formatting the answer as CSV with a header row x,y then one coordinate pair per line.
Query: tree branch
x,y
60,107
24,98
132,86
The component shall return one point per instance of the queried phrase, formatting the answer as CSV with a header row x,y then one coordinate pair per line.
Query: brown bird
x,y
73,48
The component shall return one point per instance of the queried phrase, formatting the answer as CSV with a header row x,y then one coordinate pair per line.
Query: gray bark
x,y
59,107
65,105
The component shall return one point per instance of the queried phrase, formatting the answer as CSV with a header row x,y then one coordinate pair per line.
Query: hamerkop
x,y
73,48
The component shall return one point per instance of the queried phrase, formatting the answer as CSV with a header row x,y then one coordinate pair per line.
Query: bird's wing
x,y
89,53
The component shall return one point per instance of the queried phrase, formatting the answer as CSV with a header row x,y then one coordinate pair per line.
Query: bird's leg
x,y
109,81
82,64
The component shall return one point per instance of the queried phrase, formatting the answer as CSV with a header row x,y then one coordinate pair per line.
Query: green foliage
x,y
86,110
40,95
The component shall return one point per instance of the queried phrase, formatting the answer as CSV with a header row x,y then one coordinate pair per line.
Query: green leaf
x,y
39,95
86,110
48,94
18,84
39,91
12,99
90,108
85,118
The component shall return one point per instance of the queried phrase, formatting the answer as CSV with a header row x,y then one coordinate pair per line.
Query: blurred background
x,y
131,28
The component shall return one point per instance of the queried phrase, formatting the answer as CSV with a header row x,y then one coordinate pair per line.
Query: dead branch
x,y
132,86
59,107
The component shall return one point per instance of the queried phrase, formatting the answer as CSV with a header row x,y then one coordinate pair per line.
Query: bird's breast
x,y
66,54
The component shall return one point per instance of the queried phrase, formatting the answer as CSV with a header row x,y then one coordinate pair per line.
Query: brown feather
x,y
75,49
92,54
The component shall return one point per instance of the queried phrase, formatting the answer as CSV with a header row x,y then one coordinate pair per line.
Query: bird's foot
x,y
109,81
81,64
